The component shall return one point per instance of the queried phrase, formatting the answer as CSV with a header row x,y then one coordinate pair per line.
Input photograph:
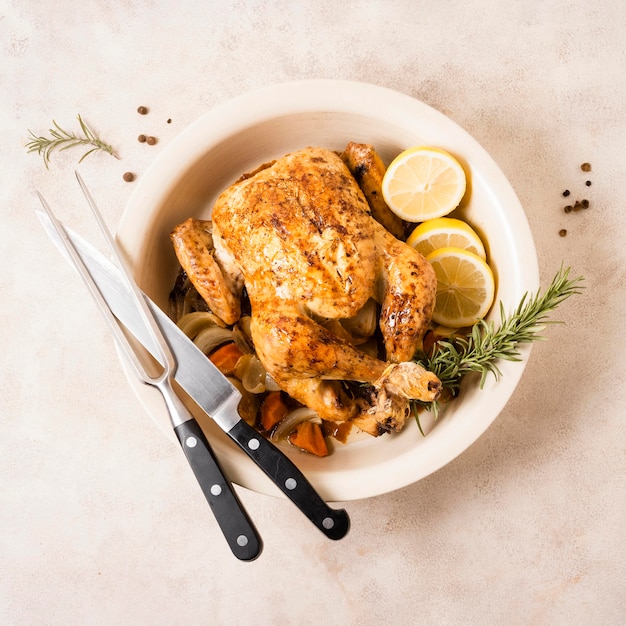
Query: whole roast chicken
x,y
300,236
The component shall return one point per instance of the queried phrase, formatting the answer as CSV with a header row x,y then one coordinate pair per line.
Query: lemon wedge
x,y
422,183
465,287
446,232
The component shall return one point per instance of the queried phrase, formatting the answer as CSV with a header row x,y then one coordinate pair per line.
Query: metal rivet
x,y
253,444
191,442
216,490
242,541
291,484
328,523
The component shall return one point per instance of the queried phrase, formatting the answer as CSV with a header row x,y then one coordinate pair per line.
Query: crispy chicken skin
x,y
301,237
214,280
368,170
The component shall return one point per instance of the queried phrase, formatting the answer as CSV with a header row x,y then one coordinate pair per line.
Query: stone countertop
x,y
100,520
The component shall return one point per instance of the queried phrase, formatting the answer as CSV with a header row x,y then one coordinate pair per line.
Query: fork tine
x,y
240,533
168,360
81,268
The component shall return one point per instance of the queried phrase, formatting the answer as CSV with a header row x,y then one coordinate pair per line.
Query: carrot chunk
x,y
308,436
225,358
273,410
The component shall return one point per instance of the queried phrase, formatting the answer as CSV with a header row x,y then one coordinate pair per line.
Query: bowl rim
x,y
331,96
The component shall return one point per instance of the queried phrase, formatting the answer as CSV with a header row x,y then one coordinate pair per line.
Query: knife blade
x,y
206,385
230,515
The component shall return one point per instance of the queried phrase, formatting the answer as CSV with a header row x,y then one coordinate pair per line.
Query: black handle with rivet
x,y
233,521
334,523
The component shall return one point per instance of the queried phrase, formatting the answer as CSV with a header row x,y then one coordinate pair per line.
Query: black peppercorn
x,y
588,183
566,193
142,110
586,167
141,139
562,232
129,177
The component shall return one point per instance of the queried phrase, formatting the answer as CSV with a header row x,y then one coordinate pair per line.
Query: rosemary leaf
x,y
484,346
63,140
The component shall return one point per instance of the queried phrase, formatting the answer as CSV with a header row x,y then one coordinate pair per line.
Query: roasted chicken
x,y
300,236
368,170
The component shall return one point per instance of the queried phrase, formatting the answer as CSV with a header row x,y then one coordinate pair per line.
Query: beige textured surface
x,y
100,521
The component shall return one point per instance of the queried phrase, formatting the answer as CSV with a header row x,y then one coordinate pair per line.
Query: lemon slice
x,y
446,232
423,183
465,287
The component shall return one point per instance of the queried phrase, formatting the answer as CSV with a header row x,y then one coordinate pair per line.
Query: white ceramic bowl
x,y
252,129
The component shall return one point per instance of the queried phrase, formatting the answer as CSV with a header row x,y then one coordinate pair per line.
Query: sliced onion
x,y
193,302
248,405
291,420
244,326
270,383
242,341
184,298
242,365
253,376
192,323
177,295
212,337
251,373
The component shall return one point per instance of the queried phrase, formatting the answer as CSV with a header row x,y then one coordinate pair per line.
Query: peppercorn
x,y
584,204
562,232
588,183
151,140
586,167
568,208
169,120
142,110
141,139
128,177
566,193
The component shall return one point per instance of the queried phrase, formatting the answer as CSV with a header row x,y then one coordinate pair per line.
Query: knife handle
x,y
237,528
334,523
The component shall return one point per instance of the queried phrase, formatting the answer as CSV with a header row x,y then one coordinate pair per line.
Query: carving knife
x,y
206,385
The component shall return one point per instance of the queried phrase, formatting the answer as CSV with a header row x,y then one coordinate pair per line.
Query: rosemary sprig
x,y
480,350
62,140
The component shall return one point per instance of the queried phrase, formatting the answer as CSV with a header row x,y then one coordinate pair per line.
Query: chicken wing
x,y
368,170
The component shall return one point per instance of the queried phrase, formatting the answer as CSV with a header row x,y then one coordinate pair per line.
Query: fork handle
x,y
334,523
236,526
